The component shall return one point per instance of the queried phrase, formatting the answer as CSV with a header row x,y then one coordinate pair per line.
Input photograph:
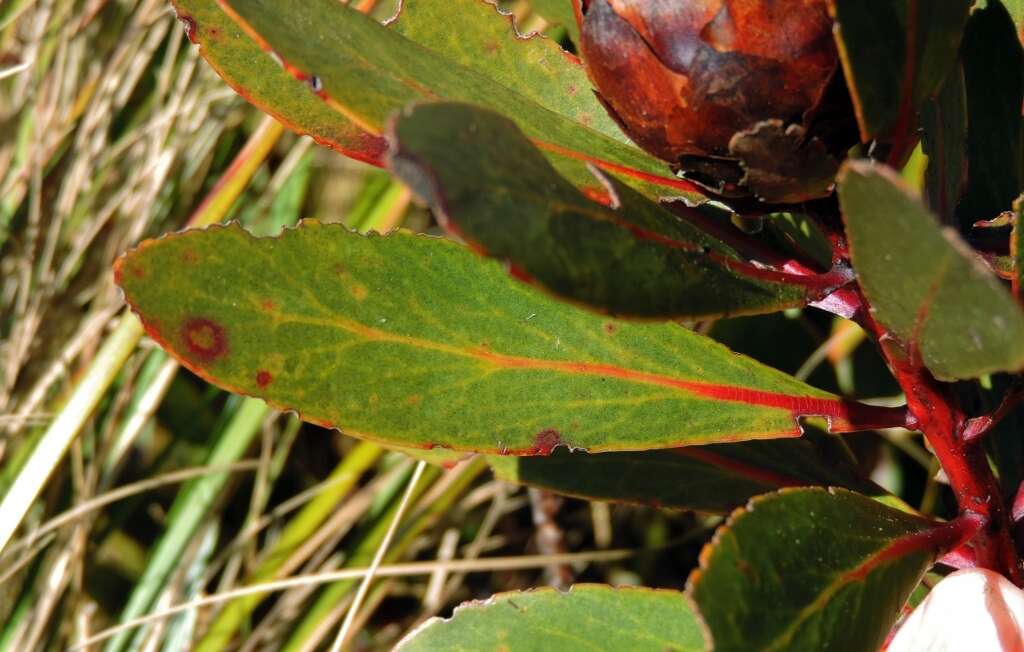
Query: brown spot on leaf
x,y
610,328
545,441
263,378
189,256
358,291
414,399
204,338
190,26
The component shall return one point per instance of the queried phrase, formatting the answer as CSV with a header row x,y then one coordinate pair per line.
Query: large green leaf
x,y
994,75
888,86
416,341
587,617
811,569
715,478
367,72
923,282
255,75
632,258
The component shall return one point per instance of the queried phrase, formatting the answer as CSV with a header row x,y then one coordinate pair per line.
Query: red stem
x,y
944,425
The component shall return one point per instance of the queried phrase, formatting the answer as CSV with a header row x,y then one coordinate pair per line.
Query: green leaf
x,y
944,138
483,39
255,75
873,40
559,12
810,569
415,341
633,258
367,71
715,478
994,73
923,282
588,616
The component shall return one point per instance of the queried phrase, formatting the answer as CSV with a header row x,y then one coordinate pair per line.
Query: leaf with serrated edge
x,y
367,71
416,341
588,616
813,569
479,36
255,76
923,282
633,258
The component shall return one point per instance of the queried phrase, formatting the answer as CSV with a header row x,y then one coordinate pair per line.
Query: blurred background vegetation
x,y
112,130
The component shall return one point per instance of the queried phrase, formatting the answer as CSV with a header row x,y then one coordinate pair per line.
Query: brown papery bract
x,y
683,77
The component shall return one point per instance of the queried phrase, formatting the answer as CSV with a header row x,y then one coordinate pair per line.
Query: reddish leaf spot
x,y
268,305
189,256
599,195
204,338
358,291
263,378
610,328
190,26
546,441
414,399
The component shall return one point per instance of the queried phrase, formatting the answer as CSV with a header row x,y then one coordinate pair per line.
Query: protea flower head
x,y
725,90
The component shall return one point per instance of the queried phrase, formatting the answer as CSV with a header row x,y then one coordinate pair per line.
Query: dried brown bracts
x,y
728,91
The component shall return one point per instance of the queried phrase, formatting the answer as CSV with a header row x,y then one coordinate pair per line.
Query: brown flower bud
x,y
686,78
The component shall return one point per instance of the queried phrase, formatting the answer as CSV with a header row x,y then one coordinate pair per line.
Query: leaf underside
x,y
873,39
415,341
923,282
715,478
634,258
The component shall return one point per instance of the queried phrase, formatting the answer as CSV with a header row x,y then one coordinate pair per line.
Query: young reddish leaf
x,y
888,86
994,74
814,569
923,282
588,616
367,71
716,478
631,258
255,76
415,341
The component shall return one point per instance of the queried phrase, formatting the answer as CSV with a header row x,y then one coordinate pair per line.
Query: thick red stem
x,y
944,425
